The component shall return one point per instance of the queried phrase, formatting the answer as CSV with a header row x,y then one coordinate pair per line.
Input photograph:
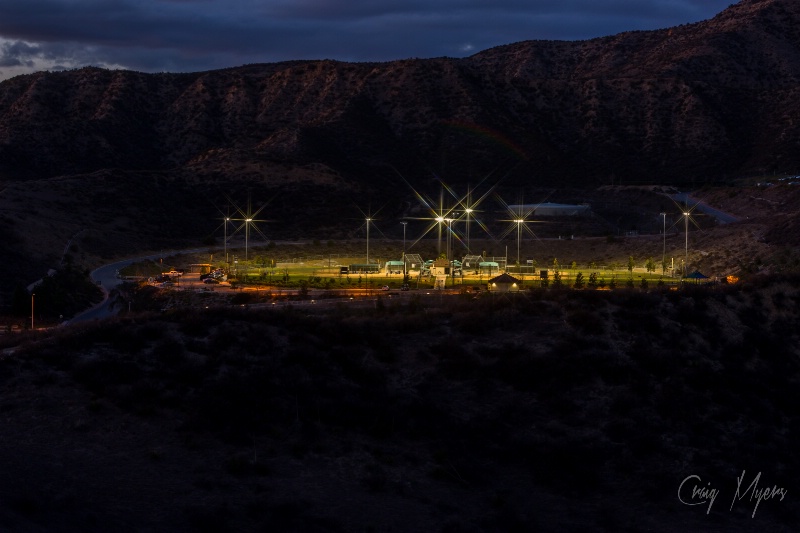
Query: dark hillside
x,y
577,411
702,102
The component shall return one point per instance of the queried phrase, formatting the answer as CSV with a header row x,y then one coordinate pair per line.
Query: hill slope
x,y
701,101
411,417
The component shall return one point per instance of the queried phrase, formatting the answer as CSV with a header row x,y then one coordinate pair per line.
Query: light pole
x,y
32,295
440,218
248,219
449,234
227,219
368,219
439,222
468,211
519,222
404,250
686,232
664,247
247,222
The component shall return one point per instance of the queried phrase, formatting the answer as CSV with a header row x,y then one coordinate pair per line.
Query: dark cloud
x,y
18,54
186,35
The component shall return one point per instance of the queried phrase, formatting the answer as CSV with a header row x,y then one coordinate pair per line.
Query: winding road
x,y
106,278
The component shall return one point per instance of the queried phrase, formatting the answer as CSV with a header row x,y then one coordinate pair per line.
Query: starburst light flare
x,y
247,218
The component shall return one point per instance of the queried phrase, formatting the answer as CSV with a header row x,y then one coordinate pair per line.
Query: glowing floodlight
x,y
519,221
248,220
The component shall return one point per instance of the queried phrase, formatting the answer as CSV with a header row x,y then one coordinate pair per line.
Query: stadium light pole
x,y
404,249
439,221
686,232
519,222
449,237
468,211
664,246
368,219
247,222
227,219
440,218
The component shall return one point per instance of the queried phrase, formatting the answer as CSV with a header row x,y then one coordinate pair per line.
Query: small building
x,y
440,267
504,283
200,268
394,267
365,268
488,267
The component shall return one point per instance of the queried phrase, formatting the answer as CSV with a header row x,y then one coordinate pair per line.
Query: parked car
x,y
385,288
209,281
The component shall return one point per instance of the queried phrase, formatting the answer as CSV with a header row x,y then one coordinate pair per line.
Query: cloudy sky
x,y
193,35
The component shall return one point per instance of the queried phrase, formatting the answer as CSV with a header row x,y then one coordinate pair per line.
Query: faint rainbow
x,y
486,133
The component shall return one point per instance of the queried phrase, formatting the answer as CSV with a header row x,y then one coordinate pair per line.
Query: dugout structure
x,y
471,263
414,262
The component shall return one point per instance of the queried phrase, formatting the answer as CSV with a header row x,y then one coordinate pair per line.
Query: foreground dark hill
x,y
555,411
698,102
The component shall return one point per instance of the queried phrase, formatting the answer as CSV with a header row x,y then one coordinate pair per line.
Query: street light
x,y
247,222
248,219
468,211
439,222
440,218
449,234
519,222
227,219
368,219
664,248
404,250
32,295
686,232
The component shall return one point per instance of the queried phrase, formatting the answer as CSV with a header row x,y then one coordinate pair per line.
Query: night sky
x,y
195,35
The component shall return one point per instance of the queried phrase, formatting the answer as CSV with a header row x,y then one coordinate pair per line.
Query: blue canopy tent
x,y
696,276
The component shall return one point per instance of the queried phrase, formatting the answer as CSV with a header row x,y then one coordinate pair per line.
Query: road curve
x,y
106,278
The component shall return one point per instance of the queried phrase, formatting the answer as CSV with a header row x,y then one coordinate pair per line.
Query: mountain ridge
x,y
708,100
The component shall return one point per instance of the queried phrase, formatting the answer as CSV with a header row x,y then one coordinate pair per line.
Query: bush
x,y
99,374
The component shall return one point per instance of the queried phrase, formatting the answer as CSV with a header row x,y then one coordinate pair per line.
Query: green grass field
x,y
319,266
316,275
